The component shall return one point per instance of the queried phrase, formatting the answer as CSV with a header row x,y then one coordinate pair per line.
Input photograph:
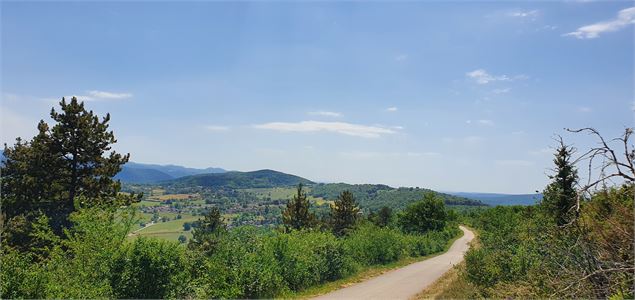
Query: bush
x,y
371,245
149,268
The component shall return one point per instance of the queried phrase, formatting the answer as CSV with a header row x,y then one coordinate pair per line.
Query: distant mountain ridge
x,y
494,199
133,172
242,180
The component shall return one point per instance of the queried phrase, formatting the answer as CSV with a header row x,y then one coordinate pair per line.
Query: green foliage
x,y
560,196
428,214
370,245
296,215
384,217
344,213
242,180
524,255
149,269
373,197
207,232
64,167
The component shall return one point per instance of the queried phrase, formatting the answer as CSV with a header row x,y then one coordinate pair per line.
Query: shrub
x,y
370,245
149,268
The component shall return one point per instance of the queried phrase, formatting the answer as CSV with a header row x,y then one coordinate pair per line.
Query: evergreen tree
x,y
297,215
69,161
344,213
560,196
207,232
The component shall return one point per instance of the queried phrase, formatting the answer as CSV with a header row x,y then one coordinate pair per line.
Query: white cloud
x,y
326,113
109,95
482,77
514,163
216,128
501,91
481,122
584,109
337,127
524,14
95,95
391,109
624,18
519,132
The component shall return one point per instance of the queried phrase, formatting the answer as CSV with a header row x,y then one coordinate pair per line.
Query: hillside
x,y
241,180
141,175
375,196
502,199
148,173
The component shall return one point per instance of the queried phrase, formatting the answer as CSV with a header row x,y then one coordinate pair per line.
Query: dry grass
x,y
442,284
452,285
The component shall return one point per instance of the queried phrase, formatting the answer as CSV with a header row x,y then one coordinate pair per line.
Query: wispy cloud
x,y
584,109
336,127
109,95
624,18
391,109
95,95
481,122
216,128
525,14
326,113
501,91
482,77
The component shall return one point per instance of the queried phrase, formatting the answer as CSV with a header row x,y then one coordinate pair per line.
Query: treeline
x,y
576,243
65,231
373,197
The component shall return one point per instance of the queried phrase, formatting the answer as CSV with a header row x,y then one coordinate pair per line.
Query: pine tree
x,y
297,215
560,196
69,161
344,213
207,232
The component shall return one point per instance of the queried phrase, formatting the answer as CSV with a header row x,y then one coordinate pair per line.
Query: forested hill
x,y
241,180
149,173
375,196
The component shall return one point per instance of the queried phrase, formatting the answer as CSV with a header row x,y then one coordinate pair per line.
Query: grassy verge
x,y
452,285
364,274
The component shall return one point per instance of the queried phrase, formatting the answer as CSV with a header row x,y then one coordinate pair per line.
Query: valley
x,y
169,208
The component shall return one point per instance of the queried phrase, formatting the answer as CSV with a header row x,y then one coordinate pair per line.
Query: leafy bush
x,y
370,245
149,268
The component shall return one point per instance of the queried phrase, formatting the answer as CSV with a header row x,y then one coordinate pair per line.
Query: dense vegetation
x,y
376,196
242,180
571,245
85,250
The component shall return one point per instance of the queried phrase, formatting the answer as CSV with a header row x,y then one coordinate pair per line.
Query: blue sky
x,y
453,96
